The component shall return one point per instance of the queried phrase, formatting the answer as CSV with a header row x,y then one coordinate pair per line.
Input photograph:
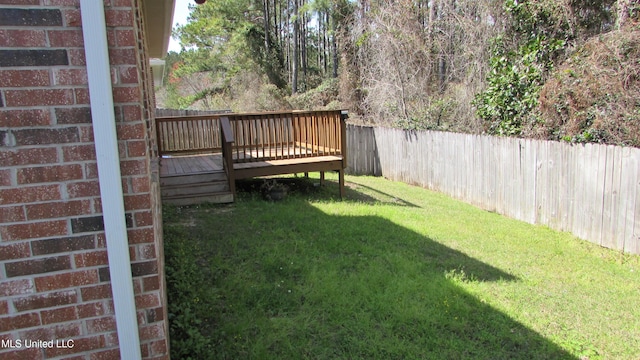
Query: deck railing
x,y
253,138
256,136
287,135
188,134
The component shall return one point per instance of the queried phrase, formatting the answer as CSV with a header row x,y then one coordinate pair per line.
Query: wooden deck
x,y
193,179
203,156
190,164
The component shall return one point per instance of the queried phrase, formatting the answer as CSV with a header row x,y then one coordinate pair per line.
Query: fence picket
x,y
590,190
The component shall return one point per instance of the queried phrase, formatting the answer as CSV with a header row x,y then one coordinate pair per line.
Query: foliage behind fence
x,y
589,190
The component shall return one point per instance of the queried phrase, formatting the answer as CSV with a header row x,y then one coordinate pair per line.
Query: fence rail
x,y
590,190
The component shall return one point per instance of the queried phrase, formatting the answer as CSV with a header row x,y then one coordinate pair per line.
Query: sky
x,y
180,13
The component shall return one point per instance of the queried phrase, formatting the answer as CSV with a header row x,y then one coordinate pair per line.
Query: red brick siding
x,y
54,277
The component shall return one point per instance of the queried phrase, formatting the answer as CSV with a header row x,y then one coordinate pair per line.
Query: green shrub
x,y
514,84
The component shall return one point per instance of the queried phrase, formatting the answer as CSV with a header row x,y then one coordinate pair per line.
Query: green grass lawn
x,y
392,272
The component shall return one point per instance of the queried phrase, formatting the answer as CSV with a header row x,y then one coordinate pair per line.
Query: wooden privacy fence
x,y
590,190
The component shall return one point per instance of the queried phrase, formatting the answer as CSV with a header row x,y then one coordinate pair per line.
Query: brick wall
x,y
54,276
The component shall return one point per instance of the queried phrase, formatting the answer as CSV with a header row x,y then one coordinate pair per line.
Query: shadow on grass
x,y
311,187
286,280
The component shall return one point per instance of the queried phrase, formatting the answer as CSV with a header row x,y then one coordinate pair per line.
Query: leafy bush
x,y
514,84
539,31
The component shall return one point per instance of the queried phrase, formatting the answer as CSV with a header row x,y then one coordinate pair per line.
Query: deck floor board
x,y
190,164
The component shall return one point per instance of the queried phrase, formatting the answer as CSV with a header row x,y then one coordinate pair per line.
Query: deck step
x,y
195,189
205,177
198,188
219,198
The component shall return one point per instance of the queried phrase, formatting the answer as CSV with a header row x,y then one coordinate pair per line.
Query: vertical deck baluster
x,y
216,137
292,137
209,130
285,137
192,134
249,144
316,142
322,132
274,125
282,135
264,126
332,134
249,136
241,136
258,131
291,151
246,122
196,136
185,135
171,136
291,141
206,128
200,126
206,132
236,136
253,131
274,133
259,139
237,133
246,138
165,138
176,135
304,137
307,134
190,138
296,136
336,129
197,125
320,123
329,134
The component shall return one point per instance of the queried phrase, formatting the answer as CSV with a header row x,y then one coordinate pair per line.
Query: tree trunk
x,y
334,51
623,13
295,55
266,15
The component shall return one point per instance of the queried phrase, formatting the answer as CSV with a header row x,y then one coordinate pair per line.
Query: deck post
x,y
227,155
344,115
